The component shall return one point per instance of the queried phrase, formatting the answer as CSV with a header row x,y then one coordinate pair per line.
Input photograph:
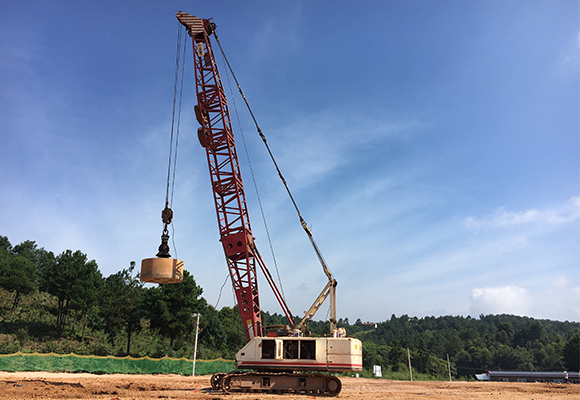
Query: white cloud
x,y
502,218
561,300
558,299
560,282
508,299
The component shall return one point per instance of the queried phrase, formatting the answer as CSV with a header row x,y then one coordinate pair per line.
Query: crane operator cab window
x,y
290,349
307,350
268,349
300,349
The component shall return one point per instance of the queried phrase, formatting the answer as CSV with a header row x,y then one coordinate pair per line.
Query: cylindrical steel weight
x,y
161,270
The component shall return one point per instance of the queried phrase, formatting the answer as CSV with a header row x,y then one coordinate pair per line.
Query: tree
x,y
505,333
233,328
26,249
397,356
17,268
212,333
428,363
122,303
171,307
481,358
5,244
463,362
18,275
374,354
45,262
571,353
530,332
548,357
85,291
75,282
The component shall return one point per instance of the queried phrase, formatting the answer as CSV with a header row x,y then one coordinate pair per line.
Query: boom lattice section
x,y
217,137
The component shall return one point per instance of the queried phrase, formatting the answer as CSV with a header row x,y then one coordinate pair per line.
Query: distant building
x,y
529,376
372,325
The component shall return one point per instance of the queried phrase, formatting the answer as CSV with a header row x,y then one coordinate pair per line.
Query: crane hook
x,y
163,269
166,217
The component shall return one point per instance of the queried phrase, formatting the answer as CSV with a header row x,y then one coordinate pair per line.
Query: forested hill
x,y
490,342
63,304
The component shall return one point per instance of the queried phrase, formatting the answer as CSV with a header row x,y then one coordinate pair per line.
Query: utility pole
x,y
410,368
195,347
449,367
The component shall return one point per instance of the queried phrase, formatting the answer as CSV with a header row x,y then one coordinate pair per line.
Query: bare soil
x,y
46,385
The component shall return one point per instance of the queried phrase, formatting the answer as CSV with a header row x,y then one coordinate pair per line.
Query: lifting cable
x,y
253,175
302,221
221,290
167,213
177,62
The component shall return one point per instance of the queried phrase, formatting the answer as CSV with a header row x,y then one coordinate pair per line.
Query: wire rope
x,y
178,115
263,137
254,181
176,80
183,58
167,214
220,292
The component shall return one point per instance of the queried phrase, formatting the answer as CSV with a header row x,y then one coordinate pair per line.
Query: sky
x,y
432,147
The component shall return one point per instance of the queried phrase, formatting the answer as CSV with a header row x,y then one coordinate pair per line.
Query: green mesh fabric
x,y
123,365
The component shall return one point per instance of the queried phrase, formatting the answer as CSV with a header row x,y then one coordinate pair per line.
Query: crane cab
x,y
301,353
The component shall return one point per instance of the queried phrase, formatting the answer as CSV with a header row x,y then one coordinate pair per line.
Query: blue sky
x,y
433,147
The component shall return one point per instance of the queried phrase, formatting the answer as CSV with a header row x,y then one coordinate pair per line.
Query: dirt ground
x,y
46,385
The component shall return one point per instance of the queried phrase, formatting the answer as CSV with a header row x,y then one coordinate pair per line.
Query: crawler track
x,y
277,383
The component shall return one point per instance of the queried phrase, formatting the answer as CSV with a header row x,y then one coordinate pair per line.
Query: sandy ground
x,y
46,385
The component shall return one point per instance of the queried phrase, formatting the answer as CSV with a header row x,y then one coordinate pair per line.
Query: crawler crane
x,y
275,359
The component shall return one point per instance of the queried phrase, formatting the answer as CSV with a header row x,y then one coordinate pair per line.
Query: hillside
x,y
63,304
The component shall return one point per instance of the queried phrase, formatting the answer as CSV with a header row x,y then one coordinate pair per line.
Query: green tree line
x,y
62,303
